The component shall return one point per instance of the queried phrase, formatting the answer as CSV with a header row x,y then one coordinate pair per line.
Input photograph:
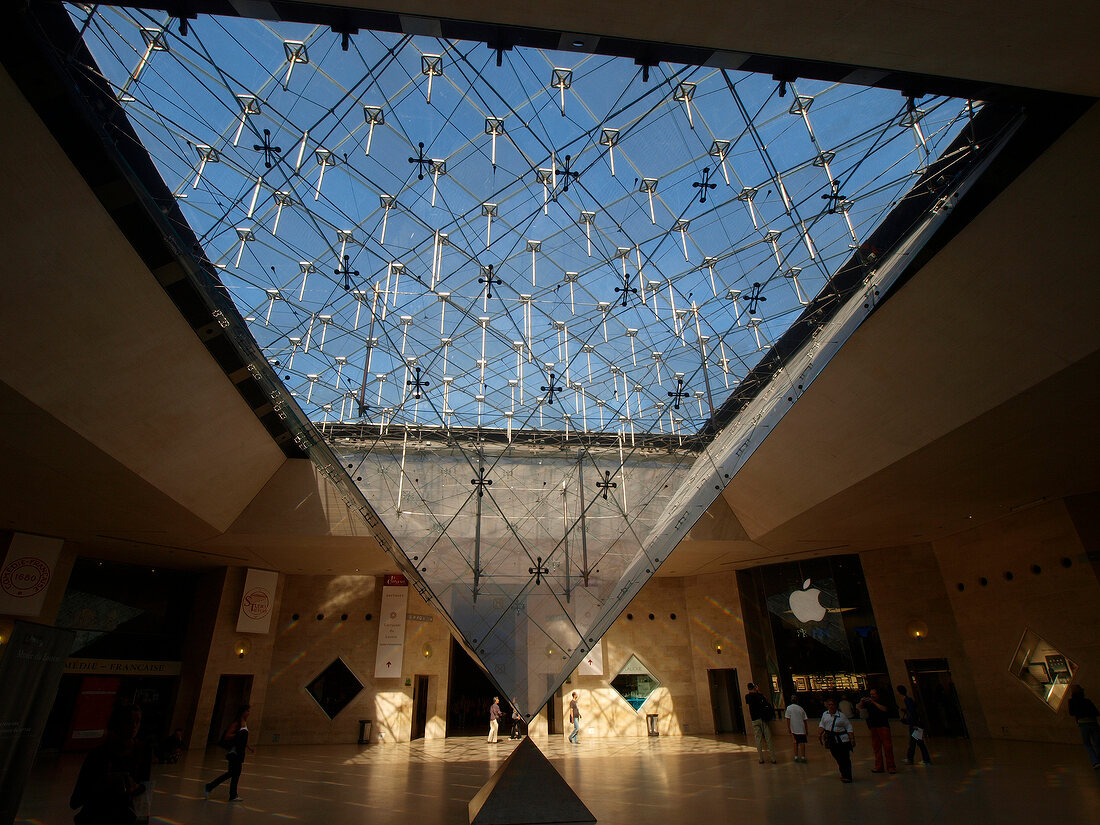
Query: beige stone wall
x,y
222,658
906,586
678,651
715,618
1060,604
305,647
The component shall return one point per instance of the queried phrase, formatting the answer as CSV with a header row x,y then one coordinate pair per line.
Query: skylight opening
x,y
648,241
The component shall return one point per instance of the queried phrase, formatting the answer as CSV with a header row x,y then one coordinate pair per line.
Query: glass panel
x,y
635,683
334,688
1044,670
515,301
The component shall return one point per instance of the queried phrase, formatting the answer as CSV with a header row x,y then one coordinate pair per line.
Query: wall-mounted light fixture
x,y
243,648
917,630
426,651
718,646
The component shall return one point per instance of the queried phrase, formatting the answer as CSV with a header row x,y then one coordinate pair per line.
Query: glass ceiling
x,y
511,296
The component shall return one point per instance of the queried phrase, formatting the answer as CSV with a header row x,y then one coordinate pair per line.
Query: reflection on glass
x,y
635,683
1043,669
334,688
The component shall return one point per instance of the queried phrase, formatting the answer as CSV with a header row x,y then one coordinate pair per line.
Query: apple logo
x,y
805,604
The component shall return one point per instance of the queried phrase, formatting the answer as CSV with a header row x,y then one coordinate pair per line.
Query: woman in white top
x,y
835,732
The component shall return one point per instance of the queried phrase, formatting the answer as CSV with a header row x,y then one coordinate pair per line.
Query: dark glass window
x,y
127,611
635,683
334,688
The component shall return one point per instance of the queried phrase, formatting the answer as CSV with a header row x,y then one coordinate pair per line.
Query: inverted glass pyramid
x,y
515,299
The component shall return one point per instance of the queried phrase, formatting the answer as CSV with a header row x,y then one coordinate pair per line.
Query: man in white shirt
x,y
835,733
796,727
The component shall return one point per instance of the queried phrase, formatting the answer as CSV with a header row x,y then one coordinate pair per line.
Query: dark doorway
x,y
725,700
553,714
233,691
935,694
420,706
469,694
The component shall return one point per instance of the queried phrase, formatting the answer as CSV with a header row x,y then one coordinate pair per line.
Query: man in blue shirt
x,y
911,717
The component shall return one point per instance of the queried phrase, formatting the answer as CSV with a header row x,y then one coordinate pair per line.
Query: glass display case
x,y
635,683
1043,669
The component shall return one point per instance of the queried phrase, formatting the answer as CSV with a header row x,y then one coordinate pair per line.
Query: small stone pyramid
x,y
527,790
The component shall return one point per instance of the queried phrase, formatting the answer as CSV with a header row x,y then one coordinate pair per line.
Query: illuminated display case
x,y
1042,669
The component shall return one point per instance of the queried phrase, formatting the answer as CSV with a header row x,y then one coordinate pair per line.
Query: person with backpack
x,y
761,712
235,742
911,716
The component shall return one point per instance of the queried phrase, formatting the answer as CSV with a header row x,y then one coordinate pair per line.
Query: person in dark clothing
x,y
172,747
878,726
236,742
1084,711
517,720
911,716
113,774
761,713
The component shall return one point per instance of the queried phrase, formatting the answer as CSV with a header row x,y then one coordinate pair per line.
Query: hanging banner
x,y
257,601
391,628
26,574
592,664
30,671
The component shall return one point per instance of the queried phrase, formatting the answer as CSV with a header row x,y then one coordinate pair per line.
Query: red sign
x,y
257,603
395,580
25,577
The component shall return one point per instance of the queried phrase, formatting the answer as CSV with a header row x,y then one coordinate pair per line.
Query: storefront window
x,y
1043,669
635,683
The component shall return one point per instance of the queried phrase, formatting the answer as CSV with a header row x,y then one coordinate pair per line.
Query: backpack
x,y
228,738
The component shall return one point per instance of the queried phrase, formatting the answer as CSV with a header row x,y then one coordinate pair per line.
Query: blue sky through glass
x,y
798,181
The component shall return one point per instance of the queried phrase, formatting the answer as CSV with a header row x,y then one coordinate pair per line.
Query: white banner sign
x,y
391,628
592,664
257,601
26,574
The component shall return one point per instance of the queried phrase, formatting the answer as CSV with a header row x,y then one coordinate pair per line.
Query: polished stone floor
x,y
623,782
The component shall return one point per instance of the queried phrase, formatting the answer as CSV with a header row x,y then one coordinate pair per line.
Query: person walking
x,y
575,719
796,727
878,727
517,720
761,713
1084,711
911,716
835,732
235,740
494,720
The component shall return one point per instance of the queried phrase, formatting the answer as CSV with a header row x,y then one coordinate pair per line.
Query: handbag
x,y
831,738
917,734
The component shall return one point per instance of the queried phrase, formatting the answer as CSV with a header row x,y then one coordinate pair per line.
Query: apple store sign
x,y
813,609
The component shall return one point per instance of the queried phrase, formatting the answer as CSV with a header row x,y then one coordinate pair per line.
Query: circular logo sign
x,y
25,577
256,603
